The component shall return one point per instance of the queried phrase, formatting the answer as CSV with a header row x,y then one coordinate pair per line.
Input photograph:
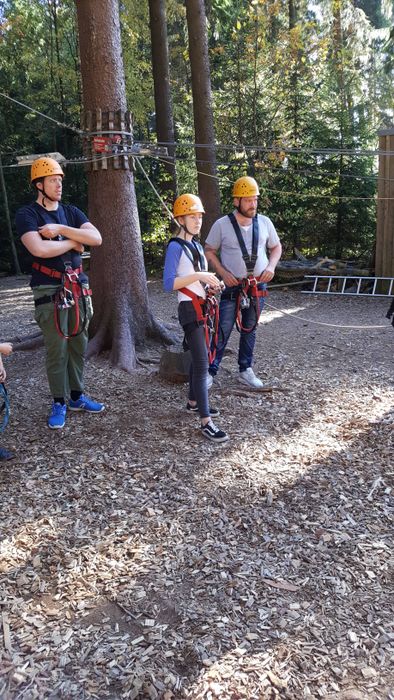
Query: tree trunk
x,y
295,58
338,56
122,313
161,82
208,186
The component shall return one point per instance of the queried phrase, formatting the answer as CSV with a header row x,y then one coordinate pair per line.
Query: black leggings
x,y
198,390
195,338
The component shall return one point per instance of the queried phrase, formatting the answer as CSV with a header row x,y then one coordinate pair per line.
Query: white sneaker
x,y
209,381
248,377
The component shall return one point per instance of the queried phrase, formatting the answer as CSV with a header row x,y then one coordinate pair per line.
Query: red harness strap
x,y
207,311
250,292
51,272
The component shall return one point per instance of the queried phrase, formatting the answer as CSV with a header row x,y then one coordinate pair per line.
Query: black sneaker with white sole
x,y
213,433
213,412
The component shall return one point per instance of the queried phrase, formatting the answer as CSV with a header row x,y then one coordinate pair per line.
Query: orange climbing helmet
x,y
245,187
42,167
187,204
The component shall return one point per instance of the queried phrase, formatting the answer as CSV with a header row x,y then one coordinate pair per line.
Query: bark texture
x,y
208,186
122,313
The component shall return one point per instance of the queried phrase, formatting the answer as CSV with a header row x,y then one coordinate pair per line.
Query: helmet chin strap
x,y
45,196
237,206
183,227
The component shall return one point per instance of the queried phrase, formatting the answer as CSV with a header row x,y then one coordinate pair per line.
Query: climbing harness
x,y
248,292
66,297
247,296
4,407
207,310
207,313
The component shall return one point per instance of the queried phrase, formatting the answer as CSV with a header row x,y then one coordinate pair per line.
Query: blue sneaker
x,y
84,403
57,418
5,454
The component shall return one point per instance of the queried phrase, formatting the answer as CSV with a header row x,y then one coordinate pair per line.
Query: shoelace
x,y
58,409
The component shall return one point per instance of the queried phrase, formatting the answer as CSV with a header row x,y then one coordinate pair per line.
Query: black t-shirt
x,y
31,217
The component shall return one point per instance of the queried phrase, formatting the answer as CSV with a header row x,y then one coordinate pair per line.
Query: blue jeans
x,y
227,315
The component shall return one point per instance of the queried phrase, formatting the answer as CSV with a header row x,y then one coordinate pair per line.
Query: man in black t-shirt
x,y
55,235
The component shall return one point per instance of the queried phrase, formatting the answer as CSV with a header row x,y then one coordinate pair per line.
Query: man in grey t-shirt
x,y
241,245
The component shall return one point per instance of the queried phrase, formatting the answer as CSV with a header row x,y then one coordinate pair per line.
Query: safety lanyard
x,y
67,297
249,260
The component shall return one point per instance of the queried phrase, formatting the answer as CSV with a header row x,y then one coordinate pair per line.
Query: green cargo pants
x,y
65,359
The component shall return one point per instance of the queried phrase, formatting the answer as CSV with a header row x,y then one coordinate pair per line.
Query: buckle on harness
x,y
71,275
65,299
247,284
244,302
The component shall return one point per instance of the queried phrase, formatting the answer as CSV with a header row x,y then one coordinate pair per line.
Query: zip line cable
x,y
299,194
286,171
169,160
284,149
285,193
45,116
216,146
277,149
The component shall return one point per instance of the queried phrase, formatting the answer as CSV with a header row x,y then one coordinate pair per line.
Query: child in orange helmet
x,y
186,271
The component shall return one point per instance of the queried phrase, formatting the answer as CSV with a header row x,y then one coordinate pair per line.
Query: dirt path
x,y
137,561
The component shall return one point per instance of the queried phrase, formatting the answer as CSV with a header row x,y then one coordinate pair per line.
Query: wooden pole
x,y
384,266
8,218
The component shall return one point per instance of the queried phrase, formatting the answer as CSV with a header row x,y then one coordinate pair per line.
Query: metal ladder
x,y
342,288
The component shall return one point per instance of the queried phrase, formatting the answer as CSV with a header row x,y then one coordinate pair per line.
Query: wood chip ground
x,y
139,561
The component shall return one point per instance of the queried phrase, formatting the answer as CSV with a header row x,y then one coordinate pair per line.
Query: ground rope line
x,y
322,323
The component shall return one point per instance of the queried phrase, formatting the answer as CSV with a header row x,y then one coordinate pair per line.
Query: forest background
x,y
299,92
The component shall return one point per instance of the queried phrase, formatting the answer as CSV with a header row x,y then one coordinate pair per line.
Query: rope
x,y
169,212
321,323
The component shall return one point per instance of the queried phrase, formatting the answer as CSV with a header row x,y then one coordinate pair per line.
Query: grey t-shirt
x,y
222,238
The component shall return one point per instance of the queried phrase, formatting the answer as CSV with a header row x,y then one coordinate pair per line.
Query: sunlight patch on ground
x,y
269,315
22,545
290,452
212,682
